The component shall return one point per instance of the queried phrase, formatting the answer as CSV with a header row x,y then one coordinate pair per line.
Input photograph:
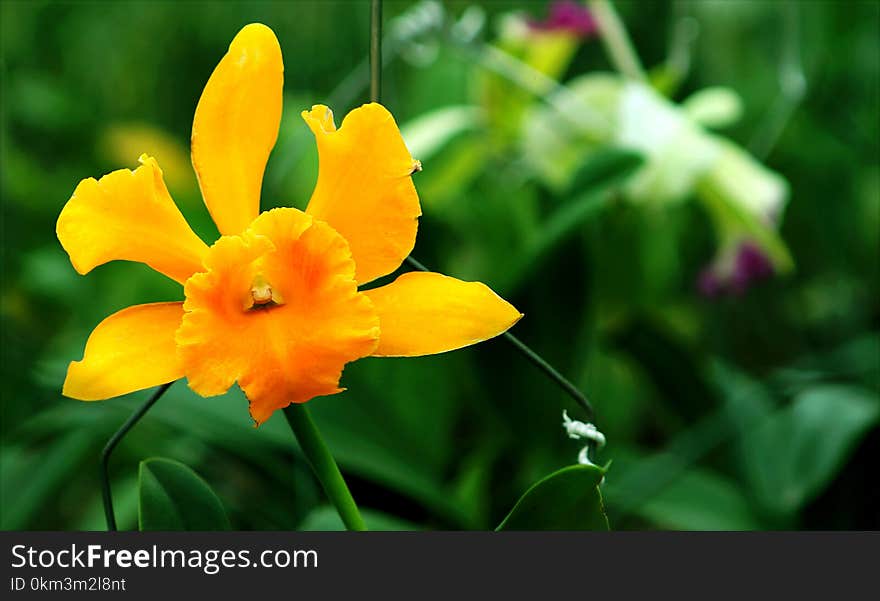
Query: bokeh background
x,y
704,267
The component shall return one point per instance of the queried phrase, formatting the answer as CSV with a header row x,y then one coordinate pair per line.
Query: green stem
x,y
111,445
792,84
683,34
323,464
376,51
616,41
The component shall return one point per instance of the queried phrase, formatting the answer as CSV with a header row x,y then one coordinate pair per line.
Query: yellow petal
x,y
364,188
129,215
424,313
131,350
236,125
292,348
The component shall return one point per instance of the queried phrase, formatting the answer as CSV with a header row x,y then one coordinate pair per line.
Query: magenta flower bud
x,y
751,265
567,16
738,268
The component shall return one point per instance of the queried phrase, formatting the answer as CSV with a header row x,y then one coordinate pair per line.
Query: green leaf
x,y
568,499
326,519
855,360
791,456
174,497
700,500
636,482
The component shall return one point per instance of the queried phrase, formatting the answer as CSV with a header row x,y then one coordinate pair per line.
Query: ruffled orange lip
x,y
296,350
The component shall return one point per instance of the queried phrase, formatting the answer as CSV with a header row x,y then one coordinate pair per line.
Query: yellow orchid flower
x,y
274,303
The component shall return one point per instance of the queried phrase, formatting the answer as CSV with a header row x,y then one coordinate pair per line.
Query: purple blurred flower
x,y
709,284
568,16
735,271
751,265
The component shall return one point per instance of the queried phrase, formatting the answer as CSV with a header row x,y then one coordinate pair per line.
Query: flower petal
x,y
364,186
131,350
284,353
423,313
236,125
129,215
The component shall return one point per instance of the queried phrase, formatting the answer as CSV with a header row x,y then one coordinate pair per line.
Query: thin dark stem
x,y
539,362
536,359
376,51
111,445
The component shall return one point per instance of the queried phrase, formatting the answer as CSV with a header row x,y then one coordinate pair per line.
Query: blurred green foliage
x,y
748,411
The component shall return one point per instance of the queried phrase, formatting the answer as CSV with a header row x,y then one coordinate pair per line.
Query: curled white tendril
x,y
583,431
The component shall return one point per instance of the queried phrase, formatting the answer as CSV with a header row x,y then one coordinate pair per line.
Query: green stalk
x,y
376,51
616,41
324,465
792,84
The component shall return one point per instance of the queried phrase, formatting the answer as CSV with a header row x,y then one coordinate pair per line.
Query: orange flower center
x,y
277,310
262,294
